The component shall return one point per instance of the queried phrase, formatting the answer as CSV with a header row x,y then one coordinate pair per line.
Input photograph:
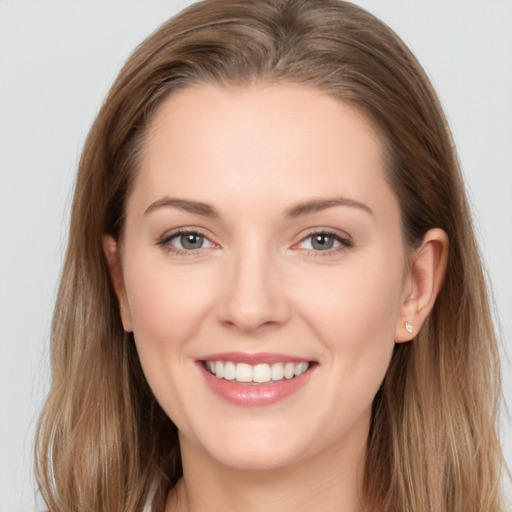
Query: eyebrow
x,y
316,205
298,210
183,204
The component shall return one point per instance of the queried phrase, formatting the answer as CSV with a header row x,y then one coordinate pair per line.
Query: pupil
x,y
322,242
191,241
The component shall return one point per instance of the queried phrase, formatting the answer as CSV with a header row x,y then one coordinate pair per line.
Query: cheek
x,y
353,311
167,308
163,300
365,299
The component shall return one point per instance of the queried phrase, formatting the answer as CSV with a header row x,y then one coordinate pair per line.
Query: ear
x,y
426,272
112,253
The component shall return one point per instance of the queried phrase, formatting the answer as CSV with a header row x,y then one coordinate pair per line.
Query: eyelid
x,y
344,239
165,239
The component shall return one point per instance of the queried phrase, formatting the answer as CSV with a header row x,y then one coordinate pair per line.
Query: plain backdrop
x,y
57,60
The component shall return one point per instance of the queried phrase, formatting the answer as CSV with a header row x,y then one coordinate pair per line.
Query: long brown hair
x,y
103,441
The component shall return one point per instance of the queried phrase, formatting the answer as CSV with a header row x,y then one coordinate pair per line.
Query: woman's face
x,y
262,241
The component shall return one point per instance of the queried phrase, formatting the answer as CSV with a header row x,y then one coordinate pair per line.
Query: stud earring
x,y
408,327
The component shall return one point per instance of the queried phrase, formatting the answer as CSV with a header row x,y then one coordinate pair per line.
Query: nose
x,y
253,295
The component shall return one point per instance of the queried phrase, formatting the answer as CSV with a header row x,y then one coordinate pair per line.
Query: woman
x,y
272,297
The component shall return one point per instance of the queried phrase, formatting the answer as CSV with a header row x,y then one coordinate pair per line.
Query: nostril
x,y
248,325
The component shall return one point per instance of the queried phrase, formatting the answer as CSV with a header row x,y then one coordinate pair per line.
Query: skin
x,y
257,284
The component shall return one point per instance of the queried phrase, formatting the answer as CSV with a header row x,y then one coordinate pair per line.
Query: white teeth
x,y
243,372
300,369
289,370
259,373
277,371
229,370
219,369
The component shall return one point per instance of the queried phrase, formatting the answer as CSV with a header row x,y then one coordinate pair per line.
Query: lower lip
x,y
254,395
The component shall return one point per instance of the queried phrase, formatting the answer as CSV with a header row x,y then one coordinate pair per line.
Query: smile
x,y
252,380
258,373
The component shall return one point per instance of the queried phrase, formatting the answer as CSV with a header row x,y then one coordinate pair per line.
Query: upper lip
x,y
255,358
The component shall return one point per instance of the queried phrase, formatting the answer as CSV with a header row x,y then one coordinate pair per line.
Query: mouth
x,y
255,379
256,373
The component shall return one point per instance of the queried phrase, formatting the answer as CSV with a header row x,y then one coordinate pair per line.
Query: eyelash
x,y
167,238
345,242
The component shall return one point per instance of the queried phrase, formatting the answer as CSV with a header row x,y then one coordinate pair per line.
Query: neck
x,y
328,482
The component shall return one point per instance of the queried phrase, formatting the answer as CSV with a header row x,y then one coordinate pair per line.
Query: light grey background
x,y
57,60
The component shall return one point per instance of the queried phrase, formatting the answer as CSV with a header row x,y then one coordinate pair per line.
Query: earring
x,y
408,327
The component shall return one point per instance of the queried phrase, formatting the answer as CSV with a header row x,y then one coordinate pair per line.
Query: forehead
x,y
280,141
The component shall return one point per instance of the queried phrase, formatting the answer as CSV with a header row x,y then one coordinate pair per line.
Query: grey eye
x,y
189,241
322,241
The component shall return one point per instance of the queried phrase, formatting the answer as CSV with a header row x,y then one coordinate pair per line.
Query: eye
x,y
188,241
185,241
324,241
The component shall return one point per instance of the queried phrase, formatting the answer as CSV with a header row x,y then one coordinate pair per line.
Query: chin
x,y
256,458
262,448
